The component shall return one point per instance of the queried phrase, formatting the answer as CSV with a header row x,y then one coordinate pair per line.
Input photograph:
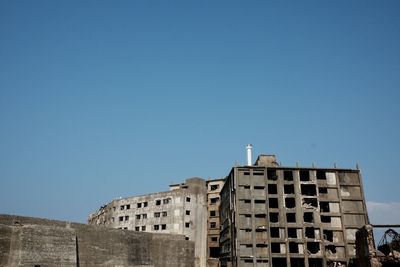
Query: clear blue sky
x,y
106,99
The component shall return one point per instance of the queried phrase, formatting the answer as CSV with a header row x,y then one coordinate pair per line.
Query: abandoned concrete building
x,y
182,210
290,216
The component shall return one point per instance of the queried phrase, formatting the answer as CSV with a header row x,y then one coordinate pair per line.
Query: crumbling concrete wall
x,y
31,242
365,248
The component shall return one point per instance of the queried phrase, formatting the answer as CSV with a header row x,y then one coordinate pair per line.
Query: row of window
x,y
308,217
144,216
304,175
144,204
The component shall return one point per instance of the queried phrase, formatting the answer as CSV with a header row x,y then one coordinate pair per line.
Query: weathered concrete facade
x,y
182,210
213,195
26,241
290,216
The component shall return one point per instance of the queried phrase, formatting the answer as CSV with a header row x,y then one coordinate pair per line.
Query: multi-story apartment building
x,y
290,216
182,210
213,198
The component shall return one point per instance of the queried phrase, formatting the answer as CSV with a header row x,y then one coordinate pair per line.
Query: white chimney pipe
x,y
249,161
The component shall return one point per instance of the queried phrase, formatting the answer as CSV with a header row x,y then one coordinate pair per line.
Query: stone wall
x,y
38,242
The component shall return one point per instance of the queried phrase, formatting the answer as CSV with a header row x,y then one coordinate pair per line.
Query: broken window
x,y
214,239
272,175
156,214
138,216
310,203
156,227
331,249
288,175
261,245
214,200
274,217
279,262
214,187
247,201
288,189
324,206
290,202
274,231
144,216
273,203
145,204
313,247
213,225
126,218
259,201
164,214
291,217
314,262
166,201
323,190
187,225
259,187
158,202
272,189
304,175
188,212
212,213
321,175
292,232
260,215
143,228
328,235
139,205
308,190
308,217
275,247
326,219
297,262
310,233
293,247
128,207
122,207
163,226
137,228
258,173
187,199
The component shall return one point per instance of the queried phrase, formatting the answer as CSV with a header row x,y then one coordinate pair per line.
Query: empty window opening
x,y
163,226
212,213
126,218
156,227
272,189
187,225
261,245
262,261
274,217
214,187
246,173
304,175
164,214
143,228
293,247
261,229
308,190
247,230
246,186
139,205
261,215
297,262
158,202
288,189
259,201
273,203
324,206
166,201
313,247
144,216
272,175
310,203
156,214
326,219
291,217
292,232
274,231
323,190
214,239
214,252
188,212
290,202
288,175
247,215
213,225
279,262
128,207
138,216
186,238
328,235
122,207
258,173
321,175
121,218
187,199
259,187
137,228
308,217
275,247
312,262
310,232
214,200
145,204
331,249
